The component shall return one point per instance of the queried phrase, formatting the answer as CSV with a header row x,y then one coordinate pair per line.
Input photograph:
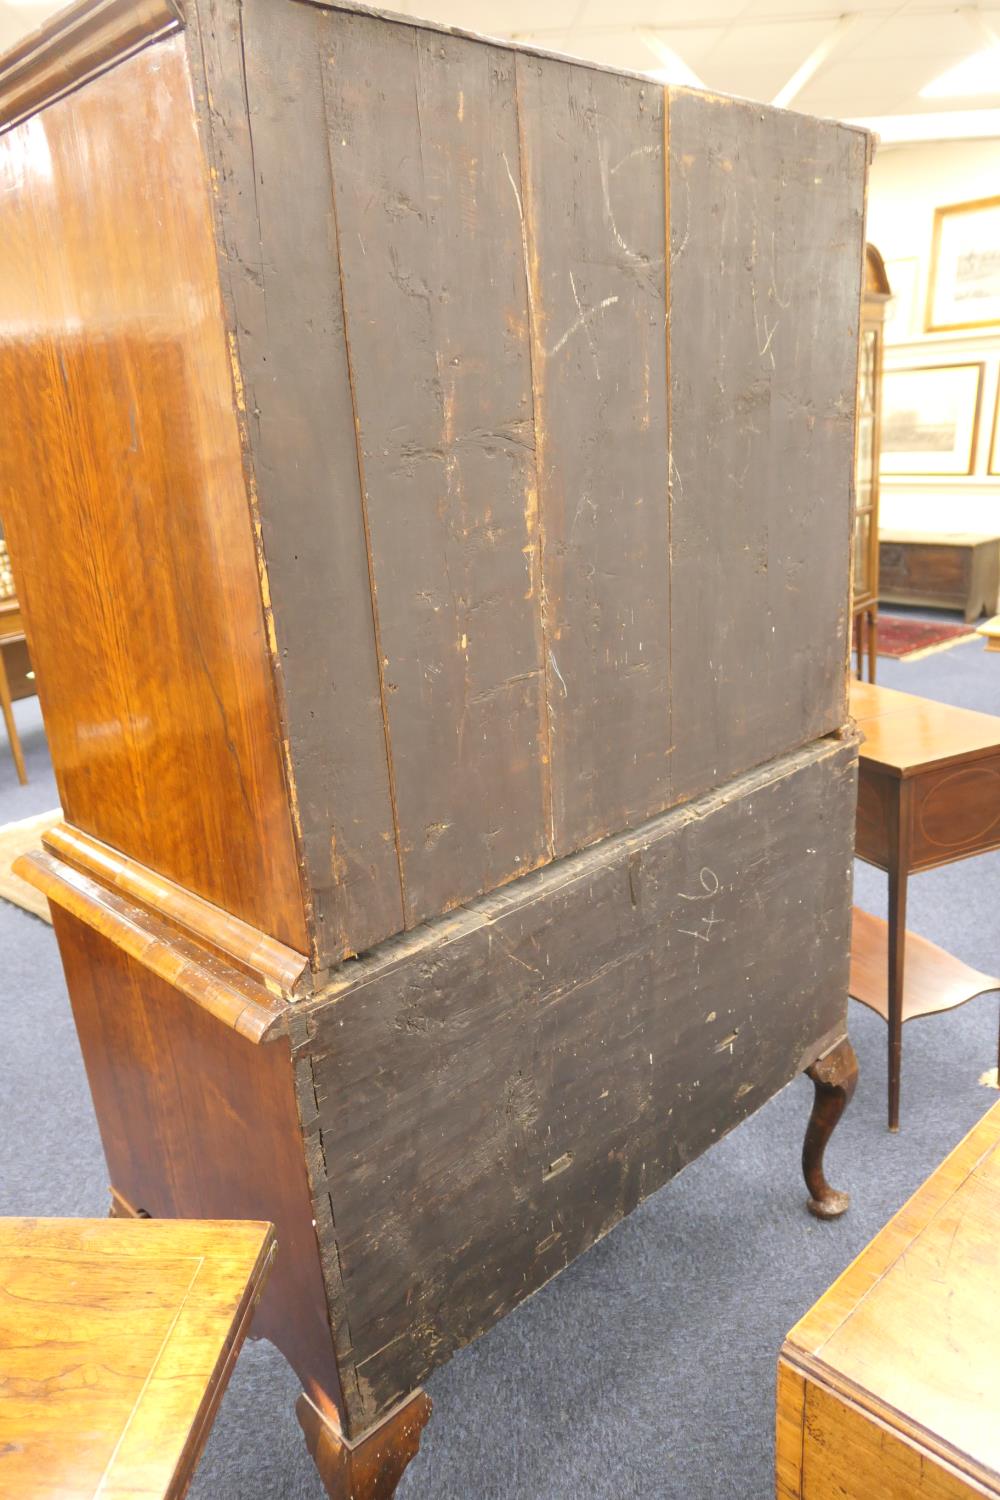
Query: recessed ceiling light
x,y
976,75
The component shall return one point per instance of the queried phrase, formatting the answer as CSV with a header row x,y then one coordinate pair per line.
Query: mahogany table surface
x,y
904,734
117,1338
890,1385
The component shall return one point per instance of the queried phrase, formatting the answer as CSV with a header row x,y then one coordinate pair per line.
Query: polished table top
x,y
904,734
911,1329
116,1340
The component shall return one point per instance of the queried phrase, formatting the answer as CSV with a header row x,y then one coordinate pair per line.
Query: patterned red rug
x,y
905,638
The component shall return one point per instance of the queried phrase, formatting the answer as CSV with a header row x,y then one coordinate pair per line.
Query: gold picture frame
x,y
965,267
930,420
993,462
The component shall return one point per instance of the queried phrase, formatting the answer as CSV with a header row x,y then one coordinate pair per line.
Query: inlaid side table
x,y
117,1339
889,1387
928,794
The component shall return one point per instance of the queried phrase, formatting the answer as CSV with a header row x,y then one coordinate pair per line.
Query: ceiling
x,y
862,60
15,20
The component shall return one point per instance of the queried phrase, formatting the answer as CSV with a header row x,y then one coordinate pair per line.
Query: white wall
x,y
907,184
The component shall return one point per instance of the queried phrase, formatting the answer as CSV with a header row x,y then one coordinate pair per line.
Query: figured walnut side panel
x,y
197,1122
124,499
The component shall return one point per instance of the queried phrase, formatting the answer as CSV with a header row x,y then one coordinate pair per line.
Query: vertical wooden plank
x,y
423,142
592,160
262,67
766,247
214,1134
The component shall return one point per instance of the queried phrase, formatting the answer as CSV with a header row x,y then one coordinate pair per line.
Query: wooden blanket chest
x,y
428,477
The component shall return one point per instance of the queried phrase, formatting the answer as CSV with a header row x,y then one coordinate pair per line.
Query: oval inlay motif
x,y
962,808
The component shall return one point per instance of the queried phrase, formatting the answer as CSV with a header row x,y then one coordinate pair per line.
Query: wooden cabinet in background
x,y
942,570
866,481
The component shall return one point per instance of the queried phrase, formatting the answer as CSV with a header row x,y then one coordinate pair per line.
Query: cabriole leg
x,y
834,1077
371,1467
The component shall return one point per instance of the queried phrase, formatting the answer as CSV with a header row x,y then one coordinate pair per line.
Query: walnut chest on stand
x,y
428,469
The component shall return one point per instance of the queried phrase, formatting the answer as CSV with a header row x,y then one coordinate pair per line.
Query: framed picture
x,y
929,419
964,289
901,310
994,467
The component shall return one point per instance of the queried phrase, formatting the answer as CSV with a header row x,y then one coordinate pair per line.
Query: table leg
x,y
859,644
899,869
872,642
8,714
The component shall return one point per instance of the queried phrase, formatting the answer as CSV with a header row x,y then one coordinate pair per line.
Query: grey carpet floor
x,y
647,1368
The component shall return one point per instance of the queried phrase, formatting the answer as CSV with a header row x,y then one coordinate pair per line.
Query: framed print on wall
x,y
929,419
994,467
964,290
